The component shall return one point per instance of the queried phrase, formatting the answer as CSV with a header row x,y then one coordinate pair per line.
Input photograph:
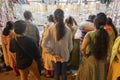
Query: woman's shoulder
x,y
91,33
51,28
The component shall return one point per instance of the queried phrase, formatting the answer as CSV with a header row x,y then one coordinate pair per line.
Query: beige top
x,y
62,47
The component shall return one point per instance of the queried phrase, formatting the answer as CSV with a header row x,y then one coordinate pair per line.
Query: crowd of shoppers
x,y
91,47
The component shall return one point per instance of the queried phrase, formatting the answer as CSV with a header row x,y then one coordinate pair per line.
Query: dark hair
x,y
60,26
100,20
50,18
118,78
91,18
9,26
74,21
20,27
27,15
101,38
109,22
69,20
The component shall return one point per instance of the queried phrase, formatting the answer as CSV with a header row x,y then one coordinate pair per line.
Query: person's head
x,y
59,15
109,22
91,18
50,18
20,27
9,26
69,21
27,15
100,20
59,21
101,38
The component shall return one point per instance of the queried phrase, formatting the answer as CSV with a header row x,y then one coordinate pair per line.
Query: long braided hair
x,y
101,38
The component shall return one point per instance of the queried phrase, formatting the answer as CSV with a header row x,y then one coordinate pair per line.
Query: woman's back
x,y
92,69
6,46
61,47
95,67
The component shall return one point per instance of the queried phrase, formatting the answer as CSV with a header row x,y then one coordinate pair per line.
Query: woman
x,y
7,35
71,24
110,23
88,41
60,38
83,28
26,50
114,68
74,55
47,58
95,66
112,31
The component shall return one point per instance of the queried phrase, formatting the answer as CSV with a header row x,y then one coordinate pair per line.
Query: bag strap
x,y
20,46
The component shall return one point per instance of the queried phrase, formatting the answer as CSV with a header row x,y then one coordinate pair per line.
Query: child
x,y
27,52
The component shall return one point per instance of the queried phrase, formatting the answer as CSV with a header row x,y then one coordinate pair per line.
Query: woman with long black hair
x,y
7,35
60,39
95,66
